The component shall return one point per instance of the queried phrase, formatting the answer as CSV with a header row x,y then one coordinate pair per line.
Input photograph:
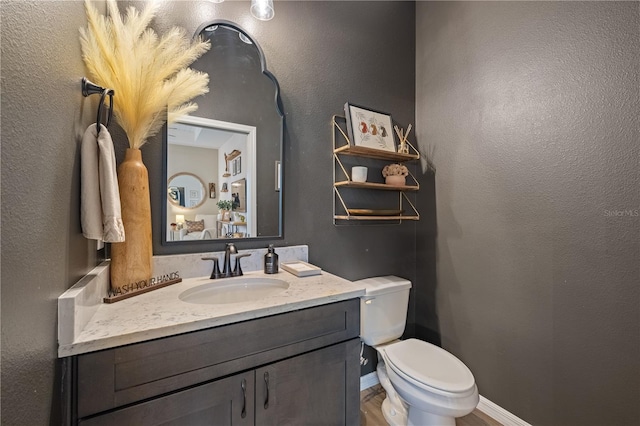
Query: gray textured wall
x,y
531,112
323,54
43,251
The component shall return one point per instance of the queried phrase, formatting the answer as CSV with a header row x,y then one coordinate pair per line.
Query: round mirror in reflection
x,y
186,190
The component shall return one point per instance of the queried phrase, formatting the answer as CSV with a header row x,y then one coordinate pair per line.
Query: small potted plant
x,y
395,174
224,206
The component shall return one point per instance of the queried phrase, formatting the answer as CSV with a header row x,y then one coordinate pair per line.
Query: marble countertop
x,y
160,313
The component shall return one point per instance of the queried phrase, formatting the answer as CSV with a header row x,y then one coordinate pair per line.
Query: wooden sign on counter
x,y
129,290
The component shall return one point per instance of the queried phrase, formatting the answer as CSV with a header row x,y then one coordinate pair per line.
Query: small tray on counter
x,y
300,268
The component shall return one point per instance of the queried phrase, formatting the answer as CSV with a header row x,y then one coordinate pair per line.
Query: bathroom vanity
x,y
292,368
291,359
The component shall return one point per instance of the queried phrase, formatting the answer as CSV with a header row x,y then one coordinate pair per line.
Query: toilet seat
x,y
428,366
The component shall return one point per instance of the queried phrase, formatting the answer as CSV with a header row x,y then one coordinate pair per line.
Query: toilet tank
x,y
383,309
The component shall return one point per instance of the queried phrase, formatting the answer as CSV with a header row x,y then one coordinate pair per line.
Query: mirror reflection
x,y
186,190
233,148
222,155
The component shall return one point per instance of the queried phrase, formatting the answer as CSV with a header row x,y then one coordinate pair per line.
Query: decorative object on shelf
x,y
369,128
152,79
227,159
395,174
212,190
180,220
226,166
225,207
174,226
403,148
225,188
359,174
343,213
224,204
237,166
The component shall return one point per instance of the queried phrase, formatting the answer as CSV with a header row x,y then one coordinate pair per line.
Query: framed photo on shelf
x,y
237,165
369,128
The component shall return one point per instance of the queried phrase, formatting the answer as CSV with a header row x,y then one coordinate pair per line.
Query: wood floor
x,y
371,413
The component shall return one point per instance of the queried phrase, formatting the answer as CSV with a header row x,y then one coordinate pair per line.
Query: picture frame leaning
x,y
369,128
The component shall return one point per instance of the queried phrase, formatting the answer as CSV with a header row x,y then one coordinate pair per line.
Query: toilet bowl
x,y
436,386
425,384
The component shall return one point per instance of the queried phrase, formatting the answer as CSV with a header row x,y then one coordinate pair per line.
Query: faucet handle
x,y
237,269
215,273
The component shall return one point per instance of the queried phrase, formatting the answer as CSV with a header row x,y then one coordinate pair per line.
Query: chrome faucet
x,y
229,250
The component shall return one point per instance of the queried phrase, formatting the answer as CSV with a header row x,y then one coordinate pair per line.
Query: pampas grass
x,y
150,75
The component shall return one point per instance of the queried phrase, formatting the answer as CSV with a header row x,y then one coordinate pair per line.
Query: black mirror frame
x,y
196,246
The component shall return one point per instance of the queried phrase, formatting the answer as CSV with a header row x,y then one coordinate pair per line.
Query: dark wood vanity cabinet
x,y
295,368
227,401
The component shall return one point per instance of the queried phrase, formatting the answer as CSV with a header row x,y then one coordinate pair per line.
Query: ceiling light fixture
x,y
262,9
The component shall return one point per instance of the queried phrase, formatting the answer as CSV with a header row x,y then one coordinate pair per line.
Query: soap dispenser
x,y
271,261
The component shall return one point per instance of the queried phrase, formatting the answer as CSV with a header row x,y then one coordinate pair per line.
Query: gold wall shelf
x,y
372,185
343,213
362,151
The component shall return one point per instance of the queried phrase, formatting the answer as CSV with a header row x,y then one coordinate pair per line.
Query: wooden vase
x,y
131,260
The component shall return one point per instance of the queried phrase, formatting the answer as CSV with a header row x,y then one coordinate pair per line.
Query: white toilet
x,y
425,384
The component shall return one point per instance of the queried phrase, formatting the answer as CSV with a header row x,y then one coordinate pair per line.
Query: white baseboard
x,y
368,380
498,413
489,408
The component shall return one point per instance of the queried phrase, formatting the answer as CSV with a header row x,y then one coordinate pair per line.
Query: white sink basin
x,y
233,290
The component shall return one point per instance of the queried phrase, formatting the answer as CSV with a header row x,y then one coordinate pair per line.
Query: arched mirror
x,y
233,144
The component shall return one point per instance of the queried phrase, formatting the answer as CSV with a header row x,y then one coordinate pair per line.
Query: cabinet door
x,y
224,402
318,388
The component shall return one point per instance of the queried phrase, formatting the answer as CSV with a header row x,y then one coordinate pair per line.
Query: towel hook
x,y
89,88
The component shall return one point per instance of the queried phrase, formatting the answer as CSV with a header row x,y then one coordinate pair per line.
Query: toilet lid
x,y
429,365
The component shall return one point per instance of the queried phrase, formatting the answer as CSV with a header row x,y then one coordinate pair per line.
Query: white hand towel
x,y
100,198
